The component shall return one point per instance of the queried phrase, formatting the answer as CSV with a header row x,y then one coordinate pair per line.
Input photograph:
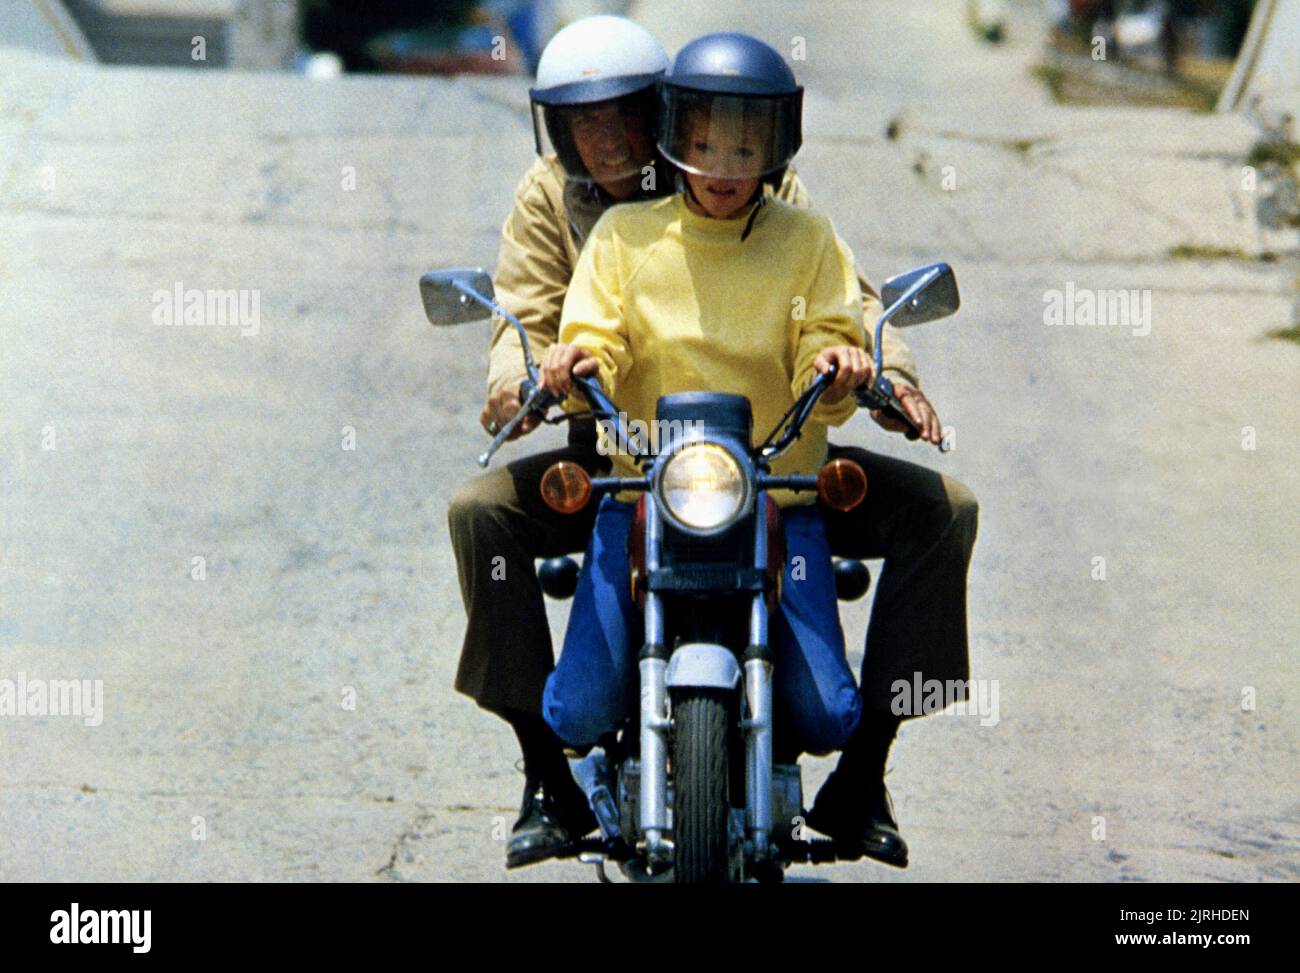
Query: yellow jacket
x,y
539,253
671,301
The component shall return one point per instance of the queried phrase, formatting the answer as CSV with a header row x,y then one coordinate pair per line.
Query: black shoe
x,y
870,831
547,827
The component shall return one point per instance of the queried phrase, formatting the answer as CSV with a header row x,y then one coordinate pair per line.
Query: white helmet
x,y
601,74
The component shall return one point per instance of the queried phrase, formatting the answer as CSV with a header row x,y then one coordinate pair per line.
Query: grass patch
x,y
1196,251
988,31
1287,334
1074,78
1053,77
1285,154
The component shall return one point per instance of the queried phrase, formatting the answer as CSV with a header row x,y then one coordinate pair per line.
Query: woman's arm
x,y
592,325
898,362
532,275
831,329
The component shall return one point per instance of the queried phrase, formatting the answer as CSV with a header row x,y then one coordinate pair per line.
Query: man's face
x,y
614,145
727,145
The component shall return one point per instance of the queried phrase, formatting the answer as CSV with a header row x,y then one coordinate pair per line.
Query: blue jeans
x,y
596,684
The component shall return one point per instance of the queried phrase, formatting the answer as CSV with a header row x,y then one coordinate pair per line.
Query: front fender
x,y
703,665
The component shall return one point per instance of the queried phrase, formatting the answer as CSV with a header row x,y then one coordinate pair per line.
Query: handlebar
x,y
603,408
796,416
534,399
880,396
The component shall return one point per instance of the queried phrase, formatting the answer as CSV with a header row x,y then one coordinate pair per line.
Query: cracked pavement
x,y
294,707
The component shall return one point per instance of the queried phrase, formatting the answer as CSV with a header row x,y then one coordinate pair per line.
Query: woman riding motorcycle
x,y
695,293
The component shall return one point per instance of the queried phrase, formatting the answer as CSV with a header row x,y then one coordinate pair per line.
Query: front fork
x,y
656,723
757,726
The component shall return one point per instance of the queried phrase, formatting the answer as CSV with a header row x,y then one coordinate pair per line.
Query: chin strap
x,y
749,223
690,191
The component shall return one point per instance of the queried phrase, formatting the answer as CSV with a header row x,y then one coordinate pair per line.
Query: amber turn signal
x,y
566,487
842,484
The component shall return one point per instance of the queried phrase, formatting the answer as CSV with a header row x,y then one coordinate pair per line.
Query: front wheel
x,y
700,807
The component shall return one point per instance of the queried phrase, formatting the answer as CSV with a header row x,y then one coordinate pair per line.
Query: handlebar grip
x,y
586,384
589,387
895,410
527,389
880,397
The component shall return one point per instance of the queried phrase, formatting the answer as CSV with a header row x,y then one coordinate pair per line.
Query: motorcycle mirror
x,y
938,298
456,296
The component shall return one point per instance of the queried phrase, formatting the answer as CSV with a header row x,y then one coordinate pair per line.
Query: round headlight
x,y
703,487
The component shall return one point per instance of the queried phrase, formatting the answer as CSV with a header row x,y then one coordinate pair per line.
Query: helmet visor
x,y
728,136
604,141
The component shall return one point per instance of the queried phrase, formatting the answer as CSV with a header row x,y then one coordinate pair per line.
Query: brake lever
x,y
880,396
537,400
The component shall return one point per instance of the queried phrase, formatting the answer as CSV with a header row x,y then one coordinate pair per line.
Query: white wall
x,y
1268,67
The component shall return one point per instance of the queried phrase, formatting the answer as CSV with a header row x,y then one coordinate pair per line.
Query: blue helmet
x,y
732,109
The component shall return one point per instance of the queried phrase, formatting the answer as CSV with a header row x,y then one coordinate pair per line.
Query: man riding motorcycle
x,y
593,105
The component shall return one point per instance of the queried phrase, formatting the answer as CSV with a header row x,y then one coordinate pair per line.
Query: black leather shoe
x,y
872,831
546,829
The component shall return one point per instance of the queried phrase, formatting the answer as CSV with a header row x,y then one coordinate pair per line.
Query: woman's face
x,y
614,146
724,145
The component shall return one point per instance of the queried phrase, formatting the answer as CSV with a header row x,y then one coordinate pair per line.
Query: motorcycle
x,y
688,791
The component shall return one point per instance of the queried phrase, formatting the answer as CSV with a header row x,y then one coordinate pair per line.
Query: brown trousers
x,y
922,524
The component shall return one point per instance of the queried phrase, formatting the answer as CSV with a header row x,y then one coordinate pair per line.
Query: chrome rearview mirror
x,y
935,298
466,294
456,296
918,296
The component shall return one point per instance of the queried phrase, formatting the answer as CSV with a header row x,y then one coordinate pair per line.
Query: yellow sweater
x,y
670,301
540,242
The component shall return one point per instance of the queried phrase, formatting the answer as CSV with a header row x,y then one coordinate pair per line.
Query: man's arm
x,y
593,318
531,279
896,359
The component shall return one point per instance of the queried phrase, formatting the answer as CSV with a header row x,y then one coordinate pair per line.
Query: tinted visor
x,y
604,141
729,136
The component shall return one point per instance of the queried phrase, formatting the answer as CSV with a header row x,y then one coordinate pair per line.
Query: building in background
x,y
252,35
1267,73
43,26
419,37
318,38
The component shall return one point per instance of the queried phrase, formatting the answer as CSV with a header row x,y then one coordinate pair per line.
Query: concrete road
x,y
282,708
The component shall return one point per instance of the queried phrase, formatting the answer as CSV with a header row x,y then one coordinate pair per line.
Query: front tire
x,y
701,809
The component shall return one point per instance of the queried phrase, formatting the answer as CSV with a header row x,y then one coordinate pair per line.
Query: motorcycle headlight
x,y
703,487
